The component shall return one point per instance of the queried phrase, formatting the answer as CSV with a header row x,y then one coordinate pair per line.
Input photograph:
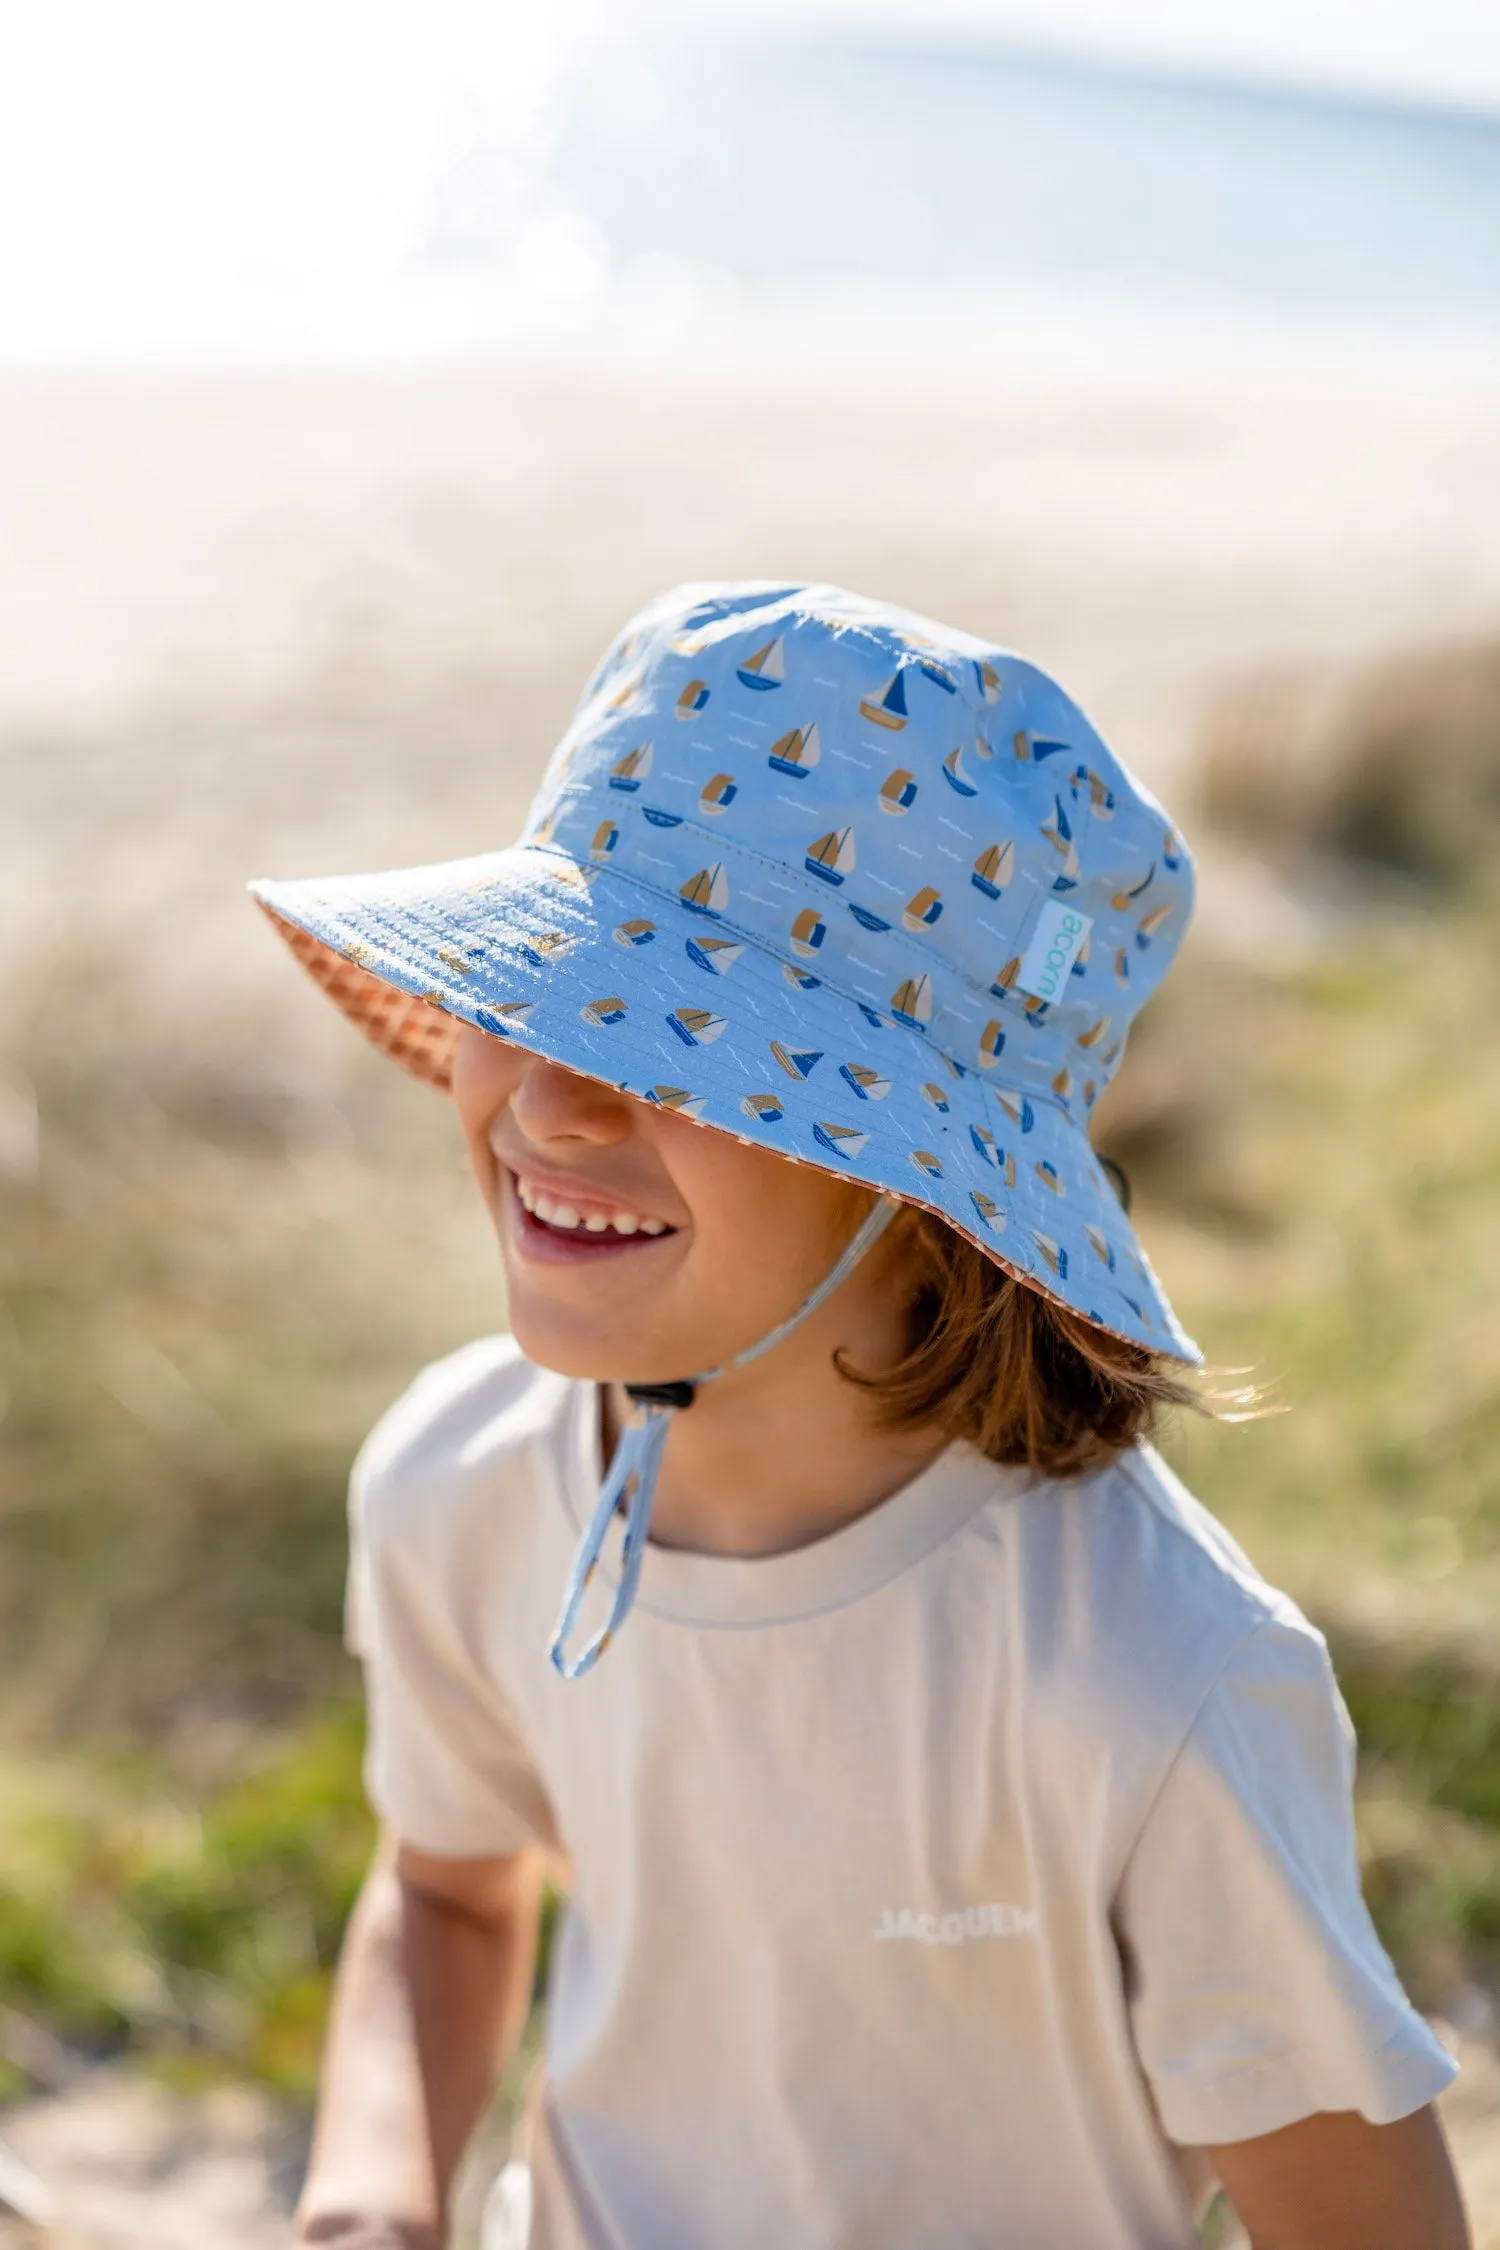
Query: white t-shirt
x,y
951,1880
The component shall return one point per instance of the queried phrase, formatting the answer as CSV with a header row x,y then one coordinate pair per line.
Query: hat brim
x,y
594,971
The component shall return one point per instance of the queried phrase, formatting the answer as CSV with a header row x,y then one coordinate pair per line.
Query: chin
x,y
590,1351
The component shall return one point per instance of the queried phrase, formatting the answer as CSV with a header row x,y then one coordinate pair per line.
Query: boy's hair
x,y
1017,1374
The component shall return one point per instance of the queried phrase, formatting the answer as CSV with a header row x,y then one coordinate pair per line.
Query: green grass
x,y
210,1289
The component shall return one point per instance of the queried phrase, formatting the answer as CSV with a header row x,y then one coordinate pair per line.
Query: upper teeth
x,y
555,1213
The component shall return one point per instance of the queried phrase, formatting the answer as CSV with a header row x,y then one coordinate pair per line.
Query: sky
x,y
1444,50
168,167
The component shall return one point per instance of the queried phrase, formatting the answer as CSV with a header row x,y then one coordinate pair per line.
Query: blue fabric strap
x,y
633,1471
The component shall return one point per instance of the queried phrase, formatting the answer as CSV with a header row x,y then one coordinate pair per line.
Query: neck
x,y
786,1450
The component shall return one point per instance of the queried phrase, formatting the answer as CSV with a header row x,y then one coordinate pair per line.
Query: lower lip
x,y
548,1246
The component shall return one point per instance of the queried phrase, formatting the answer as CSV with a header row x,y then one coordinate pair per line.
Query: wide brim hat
x,y
828,876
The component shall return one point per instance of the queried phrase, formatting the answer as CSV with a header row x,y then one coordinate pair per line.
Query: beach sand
x,y
277,623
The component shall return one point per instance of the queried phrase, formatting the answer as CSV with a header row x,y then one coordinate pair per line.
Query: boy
x,y
959,1835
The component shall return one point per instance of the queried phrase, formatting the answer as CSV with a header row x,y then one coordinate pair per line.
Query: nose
x,y
551,1104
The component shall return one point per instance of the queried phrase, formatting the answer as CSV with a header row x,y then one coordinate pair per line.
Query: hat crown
x,y
923,822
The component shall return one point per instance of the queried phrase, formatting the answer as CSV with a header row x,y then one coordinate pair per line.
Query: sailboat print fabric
x,y
830,876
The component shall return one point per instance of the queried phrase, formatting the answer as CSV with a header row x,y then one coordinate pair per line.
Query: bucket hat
x,y
832,877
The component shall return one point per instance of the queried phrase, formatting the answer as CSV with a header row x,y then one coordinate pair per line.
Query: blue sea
x,y
767,198
904,165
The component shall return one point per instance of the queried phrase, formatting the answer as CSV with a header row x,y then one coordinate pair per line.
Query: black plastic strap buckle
x,y
661,1394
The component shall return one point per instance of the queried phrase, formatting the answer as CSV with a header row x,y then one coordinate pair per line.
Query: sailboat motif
x,y
612,1010
911,1002
1101,798
839,1140
984,1141
1151,924
797,1062
799,979
503,1017
923,909
1100,1247
1020,742
991,1045
1122,899
796,753
1059,834
718,794
1049,1176
765,669
865,1082
984,750
988,680
696,1027
808,932
864,917
692,699
887,706
988,1209
937,1097
1171,851
955,776
898,791
631,770
677,1098
832,856
1062,1083
637,932
1053,1253
707,892
1019,1112
1005,978
1122,966
765,1108
994,868
1095,1033
546,946
716,954
926,1162
606,836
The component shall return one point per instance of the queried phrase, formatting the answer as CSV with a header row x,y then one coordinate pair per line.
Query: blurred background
x,y
361,368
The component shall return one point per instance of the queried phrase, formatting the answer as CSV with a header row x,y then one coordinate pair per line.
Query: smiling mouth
x,y
585,1225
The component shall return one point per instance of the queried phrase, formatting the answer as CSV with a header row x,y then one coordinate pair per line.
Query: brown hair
x,y
1017,1374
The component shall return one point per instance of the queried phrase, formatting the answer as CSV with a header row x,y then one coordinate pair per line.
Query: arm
x,y
430,1998
1336,2182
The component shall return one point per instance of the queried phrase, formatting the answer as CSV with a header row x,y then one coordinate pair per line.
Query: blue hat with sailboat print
x,y
829,876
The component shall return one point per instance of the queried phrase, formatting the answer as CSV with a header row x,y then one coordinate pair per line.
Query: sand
x,y
281,622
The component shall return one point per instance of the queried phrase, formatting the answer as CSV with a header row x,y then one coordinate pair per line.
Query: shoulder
x,y
1159,1561
468,1429
1140,1606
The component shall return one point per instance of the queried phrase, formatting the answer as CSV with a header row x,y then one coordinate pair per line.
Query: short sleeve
x,y
446,1765
1259,1992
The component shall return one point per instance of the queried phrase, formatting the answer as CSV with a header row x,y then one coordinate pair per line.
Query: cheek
x,y
759,1219
485,1074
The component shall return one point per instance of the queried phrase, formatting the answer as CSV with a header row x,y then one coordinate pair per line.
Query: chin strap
x,y
632,1473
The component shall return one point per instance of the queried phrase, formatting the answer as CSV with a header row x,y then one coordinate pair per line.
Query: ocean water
x,y
837,160
779,201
